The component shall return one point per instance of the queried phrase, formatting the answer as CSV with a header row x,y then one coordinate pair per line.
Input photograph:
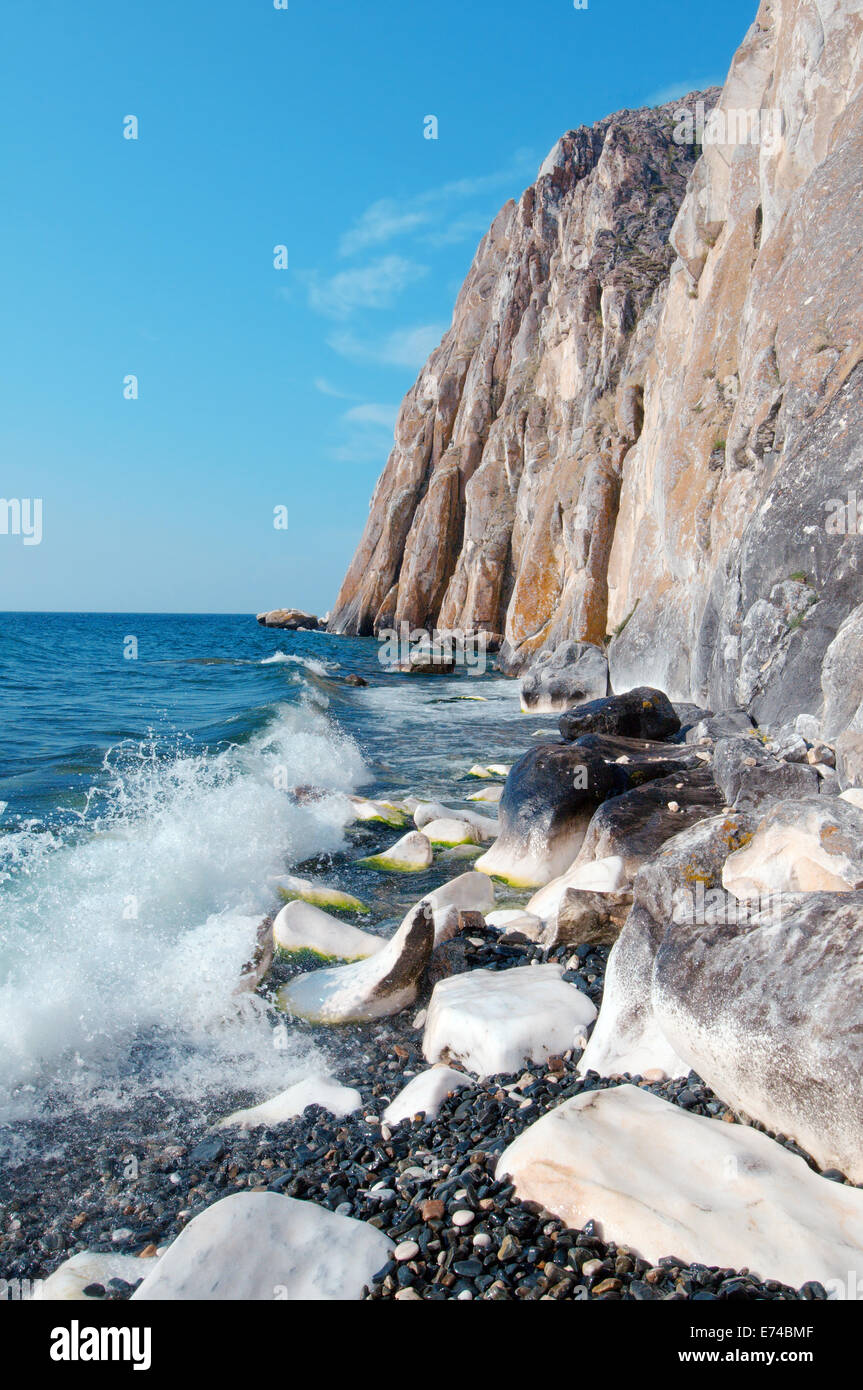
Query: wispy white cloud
x,y
326,388
470,227
389,218
373,286
381,222
404,347
370,414
367,433
673,90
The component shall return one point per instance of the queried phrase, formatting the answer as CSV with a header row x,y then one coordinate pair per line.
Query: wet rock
x,y
384,812
290,618
375,988
291,887
549,798
312,1090
640,713
567,675
425,1094
301,929
88,1274
411,854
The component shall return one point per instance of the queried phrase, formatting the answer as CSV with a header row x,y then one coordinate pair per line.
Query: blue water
x,y
145,813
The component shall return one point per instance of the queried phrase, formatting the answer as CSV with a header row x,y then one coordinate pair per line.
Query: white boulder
x,y
807,845
290,887
490,794
494,1021
301,928
409,855
471,892
312,1090
383,985
73,1276
449,832
263,1246
432,812
600,876
512,919
392,813
425,1094
662,1181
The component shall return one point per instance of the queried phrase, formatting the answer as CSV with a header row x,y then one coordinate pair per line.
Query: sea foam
x,y
122,939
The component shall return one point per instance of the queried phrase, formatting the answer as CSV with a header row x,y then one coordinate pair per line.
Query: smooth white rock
x,y
383,985
289,886
300,926
490,794
426,811
600,876
662,1181
627,1038
74,1275
514,919
408,1250
429,812
813,844
494,1021
425,1094
312,1090
261,1245
490,770
410,854
445,834
388,812
470,892
530,858
854,795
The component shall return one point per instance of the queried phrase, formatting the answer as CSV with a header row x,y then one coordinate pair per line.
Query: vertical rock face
x,y
497,507
724,552
656,430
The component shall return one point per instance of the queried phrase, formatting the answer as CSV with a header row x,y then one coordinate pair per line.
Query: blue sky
x,y
154,257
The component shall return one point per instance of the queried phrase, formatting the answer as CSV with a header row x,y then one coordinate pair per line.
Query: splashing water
x,y
123,934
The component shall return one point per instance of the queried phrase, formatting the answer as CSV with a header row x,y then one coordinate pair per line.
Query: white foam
x,y
138,923
320,668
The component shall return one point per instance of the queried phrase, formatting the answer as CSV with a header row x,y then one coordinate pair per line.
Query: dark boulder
x,y
640,713
728,724
548,800
636,825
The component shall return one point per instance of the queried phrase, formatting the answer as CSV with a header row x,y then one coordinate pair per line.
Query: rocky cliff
x,y
645,418
496,509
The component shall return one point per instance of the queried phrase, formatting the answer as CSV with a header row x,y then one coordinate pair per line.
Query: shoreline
x,y
508,1249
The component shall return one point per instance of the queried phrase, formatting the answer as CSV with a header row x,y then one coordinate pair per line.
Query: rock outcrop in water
x,y
654,430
